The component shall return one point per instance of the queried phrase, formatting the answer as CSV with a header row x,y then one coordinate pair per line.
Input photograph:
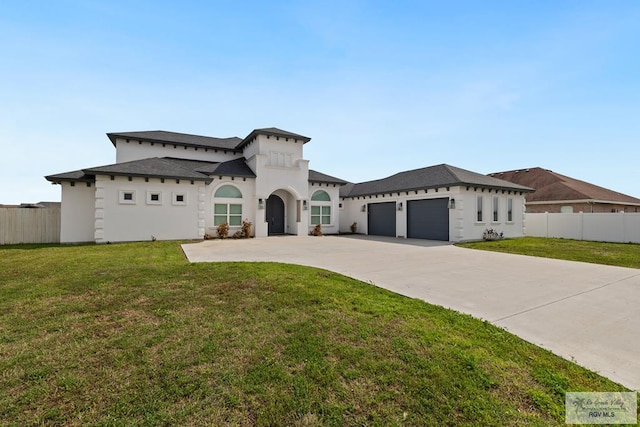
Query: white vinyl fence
x,y
29,225
602,227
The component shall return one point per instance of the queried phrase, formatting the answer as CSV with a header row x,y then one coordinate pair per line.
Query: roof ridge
x,y
454,174
172,132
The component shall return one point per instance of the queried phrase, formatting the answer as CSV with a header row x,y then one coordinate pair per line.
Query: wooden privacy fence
x,y
603,227
29,225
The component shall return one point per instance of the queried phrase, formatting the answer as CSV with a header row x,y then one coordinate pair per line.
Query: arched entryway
x,y
275,215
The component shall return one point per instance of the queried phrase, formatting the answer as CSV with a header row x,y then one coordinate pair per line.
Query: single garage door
x,y
428,219
382,219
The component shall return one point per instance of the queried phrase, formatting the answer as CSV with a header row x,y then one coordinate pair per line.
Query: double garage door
x,y
426,219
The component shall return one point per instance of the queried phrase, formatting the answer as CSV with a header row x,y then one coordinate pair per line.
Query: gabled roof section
x,y
235,167
319,177
431,177
184,139
552,186
278,133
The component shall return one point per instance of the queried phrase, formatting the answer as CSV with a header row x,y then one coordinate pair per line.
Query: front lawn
x,y
133,334
620,254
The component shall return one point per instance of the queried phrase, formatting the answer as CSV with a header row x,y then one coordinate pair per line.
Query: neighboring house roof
x,y
50,204
551,186
278,133
184,139
322,178
430,177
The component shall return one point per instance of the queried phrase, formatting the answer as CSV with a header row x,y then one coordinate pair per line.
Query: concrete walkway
x,y
584,312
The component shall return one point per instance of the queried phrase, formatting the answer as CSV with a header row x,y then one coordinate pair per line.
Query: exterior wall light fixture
x,y
363,208
260,203
452,203
305,205
400,206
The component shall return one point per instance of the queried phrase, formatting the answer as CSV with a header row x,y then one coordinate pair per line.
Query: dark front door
x,y
382,219
428,219
275,215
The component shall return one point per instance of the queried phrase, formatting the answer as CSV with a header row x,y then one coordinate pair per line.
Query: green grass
x,y
620,254
133,334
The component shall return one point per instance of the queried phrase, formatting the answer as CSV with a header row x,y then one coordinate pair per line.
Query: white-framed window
x,y
227,208
179,199
496,209
127,197
154,197
479,216
566,209
231,213
320,208
510,209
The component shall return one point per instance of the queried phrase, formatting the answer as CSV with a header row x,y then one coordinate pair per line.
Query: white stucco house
x,y
168,185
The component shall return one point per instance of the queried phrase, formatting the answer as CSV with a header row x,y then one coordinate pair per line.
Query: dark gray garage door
x,y
382,219
428,219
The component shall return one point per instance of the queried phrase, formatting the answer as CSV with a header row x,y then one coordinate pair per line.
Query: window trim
x,y
176,202
321,215
125,201
150,200
228,213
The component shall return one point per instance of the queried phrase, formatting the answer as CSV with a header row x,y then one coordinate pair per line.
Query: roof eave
x,y
146,175
429,187
114,136
257,132
55,180
231,175
317,181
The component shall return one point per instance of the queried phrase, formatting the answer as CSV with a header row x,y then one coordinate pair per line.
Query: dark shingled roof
x,y
70,176
429,177
551,186
272,132
236,167
153,167
165,167
184,139
320,177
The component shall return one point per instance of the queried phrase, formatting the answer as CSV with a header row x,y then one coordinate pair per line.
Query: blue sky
x,y
379,86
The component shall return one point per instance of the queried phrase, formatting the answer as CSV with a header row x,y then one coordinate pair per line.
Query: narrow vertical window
x,y
496,208
509,209
479,209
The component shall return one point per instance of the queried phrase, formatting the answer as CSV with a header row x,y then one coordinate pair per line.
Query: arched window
x,y
320,208
321,196
228,211
229,192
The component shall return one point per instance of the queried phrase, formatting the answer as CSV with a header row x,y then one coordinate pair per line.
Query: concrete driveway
x,y
584,312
